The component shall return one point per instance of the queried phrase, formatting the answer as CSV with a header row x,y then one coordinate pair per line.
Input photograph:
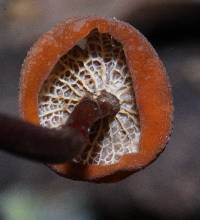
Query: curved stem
x,y
49,145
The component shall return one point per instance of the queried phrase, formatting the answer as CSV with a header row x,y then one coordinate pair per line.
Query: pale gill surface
x,y
97,64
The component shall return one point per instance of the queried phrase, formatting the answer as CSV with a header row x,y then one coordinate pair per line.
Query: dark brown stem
x,y
37,143
50,145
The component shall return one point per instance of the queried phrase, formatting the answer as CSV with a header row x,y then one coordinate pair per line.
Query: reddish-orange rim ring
x,y
151,86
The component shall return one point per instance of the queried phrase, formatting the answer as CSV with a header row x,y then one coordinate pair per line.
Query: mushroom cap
x,y
150,82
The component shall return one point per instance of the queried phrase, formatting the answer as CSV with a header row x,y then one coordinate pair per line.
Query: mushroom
x,y
107,60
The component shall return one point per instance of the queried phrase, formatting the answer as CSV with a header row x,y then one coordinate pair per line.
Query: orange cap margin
x,y
150,82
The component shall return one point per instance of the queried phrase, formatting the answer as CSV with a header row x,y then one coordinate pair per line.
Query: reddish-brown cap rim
x,y
150,81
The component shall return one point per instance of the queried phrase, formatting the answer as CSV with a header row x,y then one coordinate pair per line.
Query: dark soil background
x,y
170,187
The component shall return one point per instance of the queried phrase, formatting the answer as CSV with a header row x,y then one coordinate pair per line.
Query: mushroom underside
x,y
97,63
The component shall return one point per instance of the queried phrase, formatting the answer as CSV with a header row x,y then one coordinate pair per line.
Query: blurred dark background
x,y
170,187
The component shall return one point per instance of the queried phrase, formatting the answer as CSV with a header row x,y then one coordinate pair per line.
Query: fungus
x,y
110,61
